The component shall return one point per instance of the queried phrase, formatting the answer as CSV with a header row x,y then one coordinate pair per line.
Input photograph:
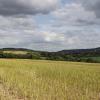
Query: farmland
x,y
48,80
75,55
16,52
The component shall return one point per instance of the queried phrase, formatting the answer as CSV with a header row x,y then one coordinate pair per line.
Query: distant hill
x,y
84,55
95,51
72,51
87,52
15,49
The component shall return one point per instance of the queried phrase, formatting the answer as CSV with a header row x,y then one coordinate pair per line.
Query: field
x,y
48,80
96,58
15,52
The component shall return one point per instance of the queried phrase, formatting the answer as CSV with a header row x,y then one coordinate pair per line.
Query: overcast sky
x,y
50,25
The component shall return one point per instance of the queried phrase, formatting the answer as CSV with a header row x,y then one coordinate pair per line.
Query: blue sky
x,y
50,25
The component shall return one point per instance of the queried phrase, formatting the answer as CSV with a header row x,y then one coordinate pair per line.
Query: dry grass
x,y
50,80
16,52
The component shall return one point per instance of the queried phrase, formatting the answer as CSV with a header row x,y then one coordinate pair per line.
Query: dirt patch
x,y
5,94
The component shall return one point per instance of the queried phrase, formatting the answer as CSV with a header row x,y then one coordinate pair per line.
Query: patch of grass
x,y
96,58
16,52
50,80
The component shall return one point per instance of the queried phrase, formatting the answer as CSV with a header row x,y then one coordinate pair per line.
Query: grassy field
x,y
96,58
48,80
15,52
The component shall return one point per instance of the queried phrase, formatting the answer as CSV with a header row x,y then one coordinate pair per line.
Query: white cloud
x,y
74,14
53,37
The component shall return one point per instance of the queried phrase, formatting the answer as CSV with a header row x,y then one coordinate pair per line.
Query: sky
x,y
50,25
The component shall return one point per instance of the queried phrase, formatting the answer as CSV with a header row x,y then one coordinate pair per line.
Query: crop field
x,y
48,80
16,52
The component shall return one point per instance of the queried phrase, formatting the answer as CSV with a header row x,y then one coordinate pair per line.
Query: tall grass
x,y
50,80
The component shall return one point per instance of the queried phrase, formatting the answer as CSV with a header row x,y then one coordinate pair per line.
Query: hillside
x,y
84,55
72,51
81,51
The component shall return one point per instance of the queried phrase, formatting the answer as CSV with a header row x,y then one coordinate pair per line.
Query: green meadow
x,y
48,80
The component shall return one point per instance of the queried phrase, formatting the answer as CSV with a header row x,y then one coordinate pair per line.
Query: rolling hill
x,y
80,51
85,55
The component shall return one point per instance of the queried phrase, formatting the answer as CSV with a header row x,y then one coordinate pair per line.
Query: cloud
x,y
27,7
79,26
91,5
53,37
74,14
72,25
23,32
15,33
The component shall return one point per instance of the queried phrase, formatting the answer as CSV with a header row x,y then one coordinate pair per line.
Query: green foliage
x,y
35,55
56,56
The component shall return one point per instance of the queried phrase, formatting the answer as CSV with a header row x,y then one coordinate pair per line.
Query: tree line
x,y
79,55
52,56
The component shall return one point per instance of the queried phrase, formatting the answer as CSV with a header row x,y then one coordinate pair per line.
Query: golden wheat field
x,y
48,80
